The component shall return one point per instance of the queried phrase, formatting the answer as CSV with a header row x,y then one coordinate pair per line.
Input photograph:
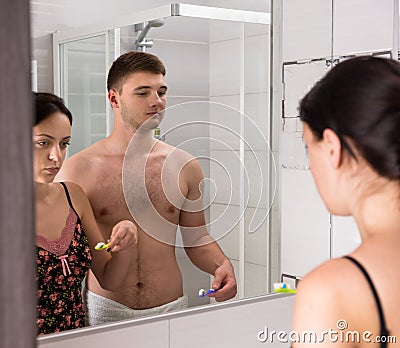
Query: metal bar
x,y
34,74
396,28
223,14
117,43
56,64
107,66
241,288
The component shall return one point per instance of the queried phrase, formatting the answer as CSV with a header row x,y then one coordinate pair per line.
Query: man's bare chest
x,y
117,196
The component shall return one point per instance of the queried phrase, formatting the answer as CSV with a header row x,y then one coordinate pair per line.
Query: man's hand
x,y
224,282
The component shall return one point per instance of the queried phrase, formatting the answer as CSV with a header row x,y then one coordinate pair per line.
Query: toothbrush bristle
x,y
99,245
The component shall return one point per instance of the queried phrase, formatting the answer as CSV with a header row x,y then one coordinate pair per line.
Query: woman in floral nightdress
x,y
66,231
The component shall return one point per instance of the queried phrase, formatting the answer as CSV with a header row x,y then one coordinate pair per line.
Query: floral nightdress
x,y
61,266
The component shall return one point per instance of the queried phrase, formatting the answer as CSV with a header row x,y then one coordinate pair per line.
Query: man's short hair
x,y
132,62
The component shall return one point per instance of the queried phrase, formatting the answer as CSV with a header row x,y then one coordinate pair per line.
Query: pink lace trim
x,y
60,245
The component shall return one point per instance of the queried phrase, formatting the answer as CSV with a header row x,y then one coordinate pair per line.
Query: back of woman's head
x,y
47,104
359,99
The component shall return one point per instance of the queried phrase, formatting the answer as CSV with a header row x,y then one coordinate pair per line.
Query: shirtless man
x,y
158,189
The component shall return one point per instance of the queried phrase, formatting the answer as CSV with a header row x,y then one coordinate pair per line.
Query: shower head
x,y
157,22
144,28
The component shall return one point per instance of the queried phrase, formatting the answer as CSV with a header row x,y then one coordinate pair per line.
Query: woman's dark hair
x,y
47,104
359,99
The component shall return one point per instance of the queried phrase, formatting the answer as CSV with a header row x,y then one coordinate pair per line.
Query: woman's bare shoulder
x,y
77,195
328,278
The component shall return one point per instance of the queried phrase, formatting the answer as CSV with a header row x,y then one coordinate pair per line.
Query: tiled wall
x,y
226,58
43,54
314,33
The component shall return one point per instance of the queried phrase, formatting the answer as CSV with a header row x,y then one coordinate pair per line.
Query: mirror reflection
x,y
218,94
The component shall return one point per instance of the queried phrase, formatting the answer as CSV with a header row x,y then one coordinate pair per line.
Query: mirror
x,y
218,73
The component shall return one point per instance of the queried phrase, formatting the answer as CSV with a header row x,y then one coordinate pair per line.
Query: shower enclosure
x,y
218,73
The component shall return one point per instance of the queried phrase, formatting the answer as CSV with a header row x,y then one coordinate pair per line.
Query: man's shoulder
x,y
176,151
80,165
82,158
90,155
190,165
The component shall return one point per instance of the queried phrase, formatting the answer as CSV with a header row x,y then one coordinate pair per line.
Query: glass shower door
x,y
83,88
218,110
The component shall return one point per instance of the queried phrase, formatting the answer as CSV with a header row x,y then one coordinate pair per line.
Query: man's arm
x,y
200,247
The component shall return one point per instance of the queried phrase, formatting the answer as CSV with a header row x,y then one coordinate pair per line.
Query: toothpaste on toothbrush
x,y
203,292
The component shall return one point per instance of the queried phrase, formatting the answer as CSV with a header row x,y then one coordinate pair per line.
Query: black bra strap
x,y
384,331
69,198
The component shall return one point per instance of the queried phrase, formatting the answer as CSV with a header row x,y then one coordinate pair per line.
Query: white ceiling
x,y
48,16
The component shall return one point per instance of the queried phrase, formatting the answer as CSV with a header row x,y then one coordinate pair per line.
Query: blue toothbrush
x,y
203,293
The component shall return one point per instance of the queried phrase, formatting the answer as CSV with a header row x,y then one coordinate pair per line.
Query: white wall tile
x,y
186,64
224,171
225,229
79,104
98,83
224,68
256,64
256,242
307,29
293,153
305,239
42,52
187,105
298,79
225,114
194,279
256,280
251,29
97,104
256,130
224,30
362,26
88,52
187,67
185,124
345,235
256,189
